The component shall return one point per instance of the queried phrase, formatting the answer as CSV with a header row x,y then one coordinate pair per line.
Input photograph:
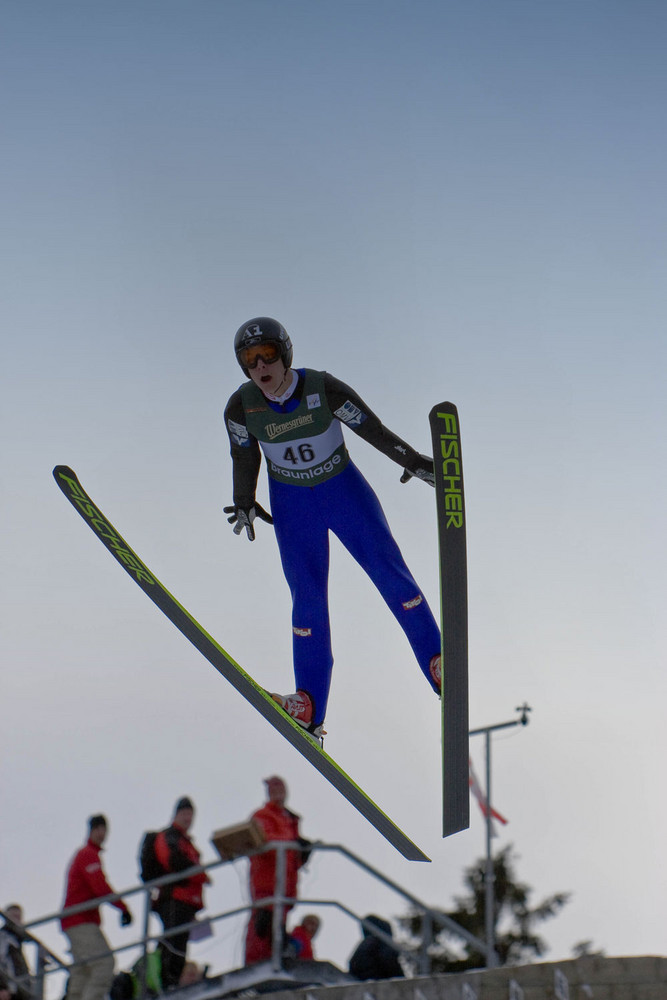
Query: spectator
x,y
301,938
145,980
179,902
373,958
191,974
93,965
277,822
14,972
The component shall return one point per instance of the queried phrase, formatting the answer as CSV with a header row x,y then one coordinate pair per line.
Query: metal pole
x,y
426,942
144,965
489,877
41,967
279,909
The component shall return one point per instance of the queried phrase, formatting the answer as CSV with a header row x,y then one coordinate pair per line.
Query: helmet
x,y
263,330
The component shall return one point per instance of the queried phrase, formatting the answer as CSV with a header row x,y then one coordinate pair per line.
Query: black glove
x,y
125,918
243,516
421,469
305,846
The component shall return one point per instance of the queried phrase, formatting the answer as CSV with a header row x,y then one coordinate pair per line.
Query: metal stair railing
x,y
432,920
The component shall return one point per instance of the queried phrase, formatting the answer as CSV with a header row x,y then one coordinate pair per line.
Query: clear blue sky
x,y
438,200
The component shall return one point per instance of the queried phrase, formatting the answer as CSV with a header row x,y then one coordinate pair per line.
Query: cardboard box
x,y
235,841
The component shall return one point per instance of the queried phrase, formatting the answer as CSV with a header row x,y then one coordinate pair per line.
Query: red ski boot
x,y
435,668
299,707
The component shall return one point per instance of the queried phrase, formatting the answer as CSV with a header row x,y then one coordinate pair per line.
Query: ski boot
x,y
299,707
435,669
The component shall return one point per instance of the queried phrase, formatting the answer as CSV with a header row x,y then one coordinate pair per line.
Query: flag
x,y
476,790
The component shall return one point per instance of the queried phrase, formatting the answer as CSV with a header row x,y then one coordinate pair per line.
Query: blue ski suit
x,y
315,488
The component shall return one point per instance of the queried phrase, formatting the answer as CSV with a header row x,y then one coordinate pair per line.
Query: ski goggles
x,y
269,353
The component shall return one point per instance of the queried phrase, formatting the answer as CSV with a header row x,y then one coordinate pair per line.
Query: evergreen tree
x,y
514,919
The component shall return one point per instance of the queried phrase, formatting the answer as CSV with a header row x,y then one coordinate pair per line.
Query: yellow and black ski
x,y
222,661
450,503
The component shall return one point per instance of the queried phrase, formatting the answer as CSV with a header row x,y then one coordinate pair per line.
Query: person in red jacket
x,y
179,902
301,937
277,822
86,881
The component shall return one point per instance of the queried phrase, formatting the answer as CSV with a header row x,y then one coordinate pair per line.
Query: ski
x,y
450,505
230,670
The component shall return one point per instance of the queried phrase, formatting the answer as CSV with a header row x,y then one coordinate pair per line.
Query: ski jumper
x,y
315,488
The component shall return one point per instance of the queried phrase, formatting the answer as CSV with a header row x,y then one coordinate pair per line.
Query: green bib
x,y
304,447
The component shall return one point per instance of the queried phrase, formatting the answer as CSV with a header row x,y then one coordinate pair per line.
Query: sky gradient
x,y
438,200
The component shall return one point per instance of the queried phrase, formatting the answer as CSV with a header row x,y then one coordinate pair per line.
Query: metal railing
x,y
433,921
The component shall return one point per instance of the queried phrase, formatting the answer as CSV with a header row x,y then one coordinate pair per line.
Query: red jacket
x,y
277,823
303,943
175,851
86,880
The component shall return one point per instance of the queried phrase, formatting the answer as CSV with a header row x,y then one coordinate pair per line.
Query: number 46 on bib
x,y
301,455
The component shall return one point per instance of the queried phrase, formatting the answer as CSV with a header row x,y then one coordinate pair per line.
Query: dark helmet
x,y
263,330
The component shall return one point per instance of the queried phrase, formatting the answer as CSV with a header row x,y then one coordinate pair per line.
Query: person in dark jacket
x,y
373,958
14,972
179,902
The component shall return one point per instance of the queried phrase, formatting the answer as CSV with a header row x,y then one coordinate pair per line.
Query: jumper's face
x,y
269,377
